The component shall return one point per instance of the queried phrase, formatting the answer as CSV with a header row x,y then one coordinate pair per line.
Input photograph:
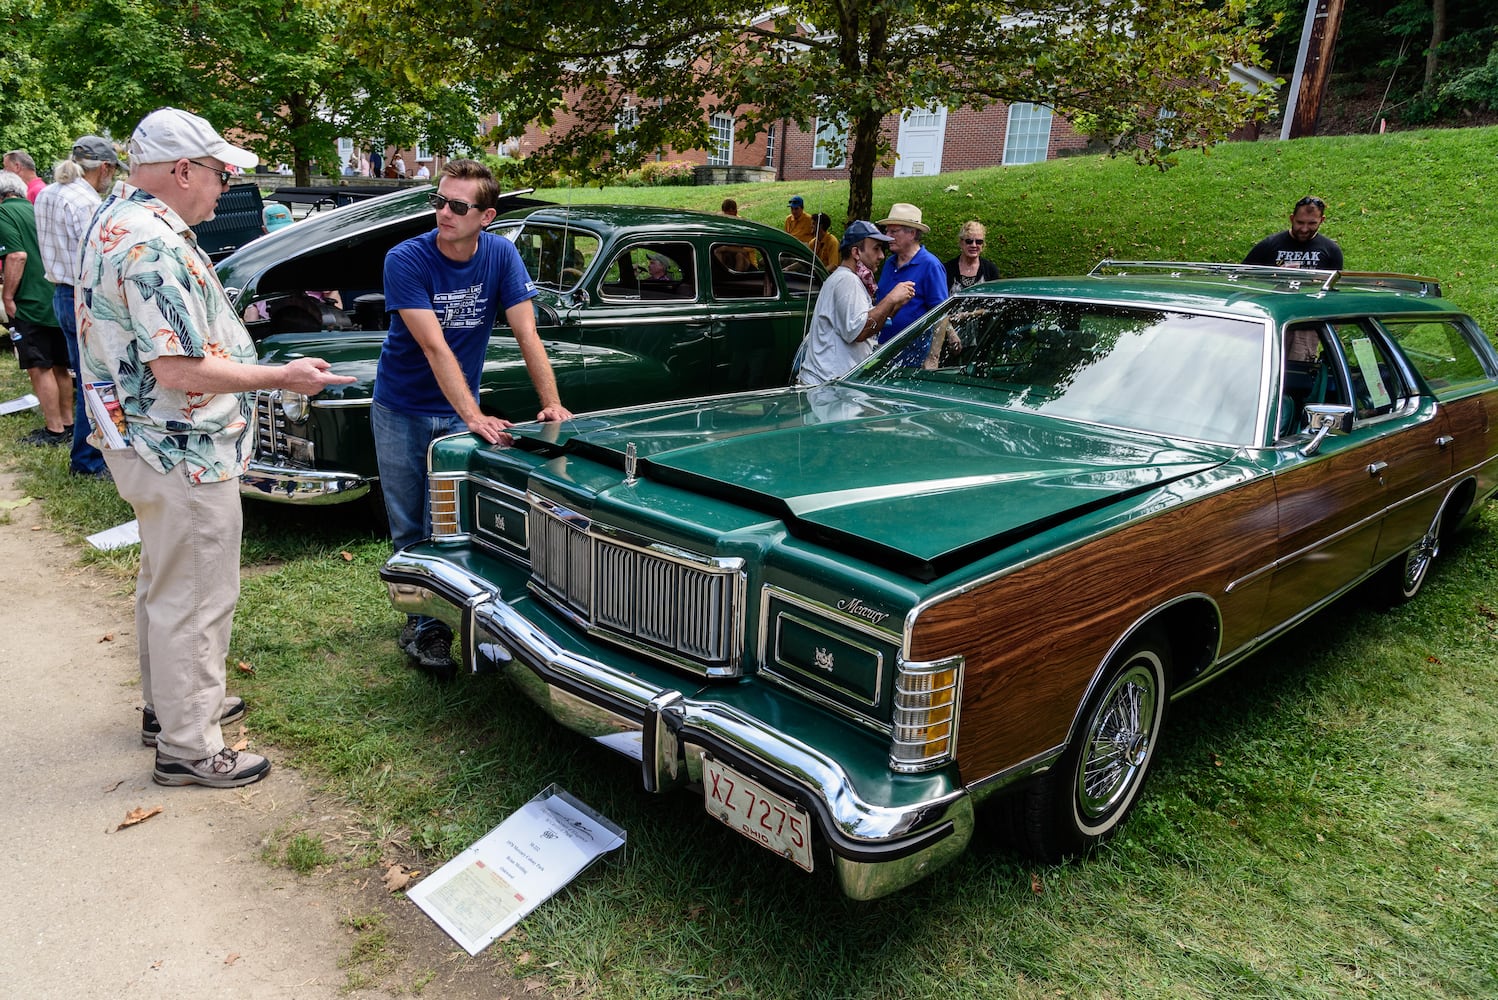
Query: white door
x,y
918,149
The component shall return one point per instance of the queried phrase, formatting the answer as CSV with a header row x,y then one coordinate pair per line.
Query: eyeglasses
x,y
223,175
458,207
972,242
1315,203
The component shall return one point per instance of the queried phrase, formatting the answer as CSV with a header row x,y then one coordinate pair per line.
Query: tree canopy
x,y
278,72
1149,75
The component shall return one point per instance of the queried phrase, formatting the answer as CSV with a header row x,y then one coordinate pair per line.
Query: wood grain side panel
x,y
1033,639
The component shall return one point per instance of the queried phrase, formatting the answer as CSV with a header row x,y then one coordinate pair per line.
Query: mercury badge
x,y
629,464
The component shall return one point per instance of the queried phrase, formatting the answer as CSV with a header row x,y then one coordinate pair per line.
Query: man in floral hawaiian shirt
x,y
167,365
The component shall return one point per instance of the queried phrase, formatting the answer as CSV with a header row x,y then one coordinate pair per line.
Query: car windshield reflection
x,y
1143,369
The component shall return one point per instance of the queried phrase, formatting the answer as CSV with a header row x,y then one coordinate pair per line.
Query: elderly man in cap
x,y
162,347
62,213
845,320
799,224
909,262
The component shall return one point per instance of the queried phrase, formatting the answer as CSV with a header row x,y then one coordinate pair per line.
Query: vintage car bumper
x,y
286,484
880,839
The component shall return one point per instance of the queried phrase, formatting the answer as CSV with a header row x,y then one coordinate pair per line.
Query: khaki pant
x,y
184,597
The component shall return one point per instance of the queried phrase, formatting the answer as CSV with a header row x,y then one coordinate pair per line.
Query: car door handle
x,y
1376,470
1444,440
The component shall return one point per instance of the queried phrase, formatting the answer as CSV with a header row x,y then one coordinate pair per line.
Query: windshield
x,y
1165,372
556,256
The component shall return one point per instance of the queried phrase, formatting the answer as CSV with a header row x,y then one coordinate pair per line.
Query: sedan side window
x,y
1377,386
1441,352
741,272
651,271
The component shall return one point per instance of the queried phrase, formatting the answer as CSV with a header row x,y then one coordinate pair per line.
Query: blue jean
x,y
85,459
401,441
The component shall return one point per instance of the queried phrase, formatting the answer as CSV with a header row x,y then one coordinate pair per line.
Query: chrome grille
x,y
675,604
270,432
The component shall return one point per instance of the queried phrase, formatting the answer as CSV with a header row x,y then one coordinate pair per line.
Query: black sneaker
x,y
432,652
42,437
408,634
225,769
150,728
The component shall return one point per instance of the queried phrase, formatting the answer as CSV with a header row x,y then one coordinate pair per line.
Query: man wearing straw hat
x,y
909,261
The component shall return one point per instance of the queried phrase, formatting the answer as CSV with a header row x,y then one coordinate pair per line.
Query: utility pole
x,y
1313,67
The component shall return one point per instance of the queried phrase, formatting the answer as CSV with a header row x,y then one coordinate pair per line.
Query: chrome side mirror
x,y
1322,419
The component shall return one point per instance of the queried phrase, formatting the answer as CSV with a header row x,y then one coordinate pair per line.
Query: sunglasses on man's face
x,y
972,242
437,201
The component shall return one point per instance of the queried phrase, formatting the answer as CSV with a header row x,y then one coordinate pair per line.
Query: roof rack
x,y
1291,277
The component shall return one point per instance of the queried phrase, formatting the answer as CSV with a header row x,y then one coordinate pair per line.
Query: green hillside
x,y
1417,202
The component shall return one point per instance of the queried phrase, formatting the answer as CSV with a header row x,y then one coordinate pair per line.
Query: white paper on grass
x,y
26,402
117,537
515,867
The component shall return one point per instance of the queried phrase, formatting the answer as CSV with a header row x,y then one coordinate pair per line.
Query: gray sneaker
x,y
225,769
230,712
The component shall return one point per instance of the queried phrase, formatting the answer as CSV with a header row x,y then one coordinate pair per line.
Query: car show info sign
x,y
515,867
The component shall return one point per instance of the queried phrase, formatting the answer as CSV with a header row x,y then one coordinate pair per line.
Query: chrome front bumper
x,y
283,484
876,848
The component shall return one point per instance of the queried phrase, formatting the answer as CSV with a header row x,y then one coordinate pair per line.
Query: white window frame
x,y
770,146
831,150
721,153
1023,139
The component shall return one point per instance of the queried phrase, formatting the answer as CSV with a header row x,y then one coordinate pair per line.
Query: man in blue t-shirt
x,y
444,290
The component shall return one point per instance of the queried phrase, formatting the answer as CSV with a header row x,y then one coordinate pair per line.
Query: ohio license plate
x,y
756,812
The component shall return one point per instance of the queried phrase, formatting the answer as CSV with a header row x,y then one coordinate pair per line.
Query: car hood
x,y
915,482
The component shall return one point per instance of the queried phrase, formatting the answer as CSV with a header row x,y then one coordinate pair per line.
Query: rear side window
x,y
1377,386
1441,352
741,272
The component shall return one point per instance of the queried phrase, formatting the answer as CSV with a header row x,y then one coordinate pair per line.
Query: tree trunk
x,y
1437,37
861,162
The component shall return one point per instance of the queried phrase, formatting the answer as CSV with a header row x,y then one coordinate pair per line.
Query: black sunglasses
x,y
1315,203
972,242
223,175
458,207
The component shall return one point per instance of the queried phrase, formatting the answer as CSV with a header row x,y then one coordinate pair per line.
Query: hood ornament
x,y
630,460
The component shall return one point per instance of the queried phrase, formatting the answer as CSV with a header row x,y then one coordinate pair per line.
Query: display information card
x,y
515,867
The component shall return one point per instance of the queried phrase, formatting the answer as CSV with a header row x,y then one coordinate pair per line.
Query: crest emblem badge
x,y
630,460
822,659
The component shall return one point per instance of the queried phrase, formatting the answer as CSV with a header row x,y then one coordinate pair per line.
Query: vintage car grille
x,y
270,430
680,606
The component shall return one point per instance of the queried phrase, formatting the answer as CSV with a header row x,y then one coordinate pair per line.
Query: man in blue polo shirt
x,y
443,291
909,261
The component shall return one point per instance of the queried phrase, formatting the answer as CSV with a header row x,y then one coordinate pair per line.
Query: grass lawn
x,y
1320,823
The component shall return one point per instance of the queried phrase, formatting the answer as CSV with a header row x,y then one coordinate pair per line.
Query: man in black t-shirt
x,y
1299,246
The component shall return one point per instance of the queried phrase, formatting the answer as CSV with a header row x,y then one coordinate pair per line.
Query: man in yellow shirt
x,y
798,223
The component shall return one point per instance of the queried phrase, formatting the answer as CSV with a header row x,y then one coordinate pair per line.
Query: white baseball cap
x,y
168,134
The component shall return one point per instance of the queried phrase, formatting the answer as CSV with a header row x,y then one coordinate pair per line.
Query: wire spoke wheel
x,y
1120,741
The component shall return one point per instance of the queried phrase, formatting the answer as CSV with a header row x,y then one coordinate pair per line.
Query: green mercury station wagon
x,y
981,565
635,305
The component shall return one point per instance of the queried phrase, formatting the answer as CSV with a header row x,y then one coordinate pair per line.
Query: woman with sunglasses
x,y
970,266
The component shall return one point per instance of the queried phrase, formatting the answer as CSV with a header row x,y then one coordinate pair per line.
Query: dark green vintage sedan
x,y
980,566
636,305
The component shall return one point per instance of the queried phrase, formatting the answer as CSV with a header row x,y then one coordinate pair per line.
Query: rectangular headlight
x,y
925,714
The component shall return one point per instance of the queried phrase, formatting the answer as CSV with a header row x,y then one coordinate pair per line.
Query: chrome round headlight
x,y
294,405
